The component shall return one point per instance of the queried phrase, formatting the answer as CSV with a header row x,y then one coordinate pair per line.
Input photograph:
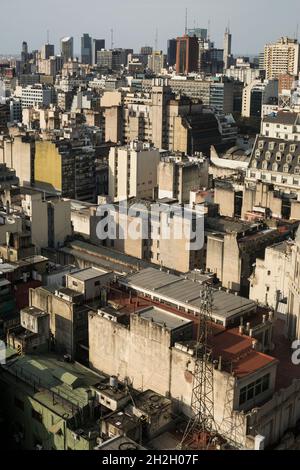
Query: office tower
x,y
86,49
187,52
146,50
200,33
67,45
283,57
97,45
24,52
156,62
171,57
47,51
227,49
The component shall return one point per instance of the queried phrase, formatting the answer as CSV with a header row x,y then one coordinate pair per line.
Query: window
x,y
292,148
265,165
268,155
278,157
261,144
75,283
286,168
297,170
275,167
289,158
254,164
271,146
254,389
97,283
281,147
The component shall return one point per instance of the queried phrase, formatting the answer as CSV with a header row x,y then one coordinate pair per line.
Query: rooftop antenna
x,y
111,38
201,427
208,29
186,21
156,40
297,31
48,36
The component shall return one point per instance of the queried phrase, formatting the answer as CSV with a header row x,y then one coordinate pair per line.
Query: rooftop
x,y
151,403
34,311
120,443
87,274
163,318
47,376
283,118
178,290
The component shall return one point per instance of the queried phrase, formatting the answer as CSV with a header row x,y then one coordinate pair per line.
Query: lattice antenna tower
x,y
201,427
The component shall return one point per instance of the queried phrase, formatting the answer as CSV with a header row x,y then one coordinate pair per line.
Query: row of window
x,y
282,146
278,157
275,166
254,389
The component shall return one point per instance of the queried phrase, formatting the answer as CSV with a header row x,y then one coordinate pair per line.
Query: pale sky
x,y
252,22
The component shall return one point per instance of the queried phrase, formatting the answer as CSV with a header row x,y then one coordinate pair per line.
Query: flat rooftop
x,y
164,318
47,376
87,274
184,292
120,443
103,257
34,311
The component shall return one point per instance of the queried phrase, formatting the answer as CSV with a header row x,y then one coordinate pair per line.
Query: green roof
x,y
59,385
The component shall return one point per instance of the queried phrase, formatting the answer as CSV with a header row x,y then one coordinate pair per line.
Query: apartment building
x,y
133,171
178,175
65,168
282,57
34,95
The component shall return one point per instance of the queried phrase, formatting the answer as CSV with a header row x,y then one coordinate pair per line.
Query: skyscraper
x,y
187,53
24,53
97,45
171,58
156,62
227,49
86,49
200,33
47,51
67,48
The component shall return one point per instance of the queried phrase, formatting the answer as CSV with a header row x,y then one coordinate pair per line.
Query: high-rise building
x,y
200,33
187,53
133,171
227,49
24,53
47,51
97,45
86,49
156,62
171,57
283,57
67,48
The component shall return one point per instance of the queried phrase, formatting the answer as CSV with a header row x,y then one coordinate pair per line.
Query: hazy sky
x,y
252,22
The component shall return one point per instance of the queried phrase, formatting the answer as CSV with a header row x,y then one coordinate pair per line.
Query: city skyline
x,y
216,15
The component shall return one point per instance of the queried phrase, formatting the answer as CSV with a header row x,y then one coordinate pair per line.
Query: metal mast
x,y
201,426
